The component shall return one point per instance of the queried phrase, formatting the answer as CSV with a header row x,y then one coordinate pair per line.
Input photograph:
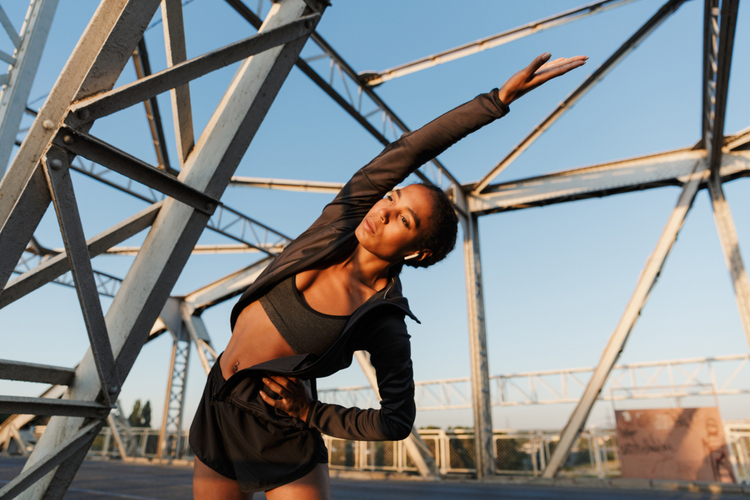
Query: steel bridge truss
x,y
680,378
183,201
40,175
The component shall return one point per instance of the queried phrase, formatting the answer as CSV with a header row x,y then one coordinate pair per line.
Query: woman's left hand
x,y
296,396
540,70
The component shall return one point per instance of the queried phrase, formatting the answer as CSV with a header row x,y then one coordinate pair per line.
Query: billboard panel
x,y
675,443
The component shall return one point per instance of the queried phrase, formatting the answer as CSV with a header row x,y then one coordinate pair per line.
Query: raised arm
x,y
414,149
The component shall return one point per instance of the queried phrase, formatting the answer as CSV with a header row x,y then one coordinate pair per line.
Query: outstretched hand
x,y
296,396
538,72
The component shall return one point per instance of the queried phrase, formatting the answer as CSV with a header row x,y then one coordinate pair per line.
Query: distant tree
x,y
141,417
146,415
135,416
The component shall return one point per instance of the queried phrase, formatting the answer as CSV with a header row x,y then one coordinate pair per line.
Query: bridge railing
x,y
516,452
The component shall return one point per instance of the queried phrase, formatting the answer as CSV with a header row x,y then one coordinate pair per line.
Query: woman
x,y
334,290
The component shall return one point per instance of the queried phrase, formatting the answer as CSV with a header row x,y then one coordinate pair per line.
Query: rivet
x,y
48,124
55,163
113,389
209,206
83,114
68,139
308,24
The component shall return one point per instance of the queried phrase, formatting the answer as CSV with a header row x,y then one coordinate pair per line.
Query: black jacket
x,y
378,325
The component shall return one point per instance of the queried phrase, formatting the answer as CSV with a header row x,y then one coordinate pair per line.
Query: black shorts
x,y
259,449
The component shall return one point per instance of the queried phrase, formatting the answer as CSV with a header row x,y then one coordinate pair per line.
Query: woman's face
x,y
393,227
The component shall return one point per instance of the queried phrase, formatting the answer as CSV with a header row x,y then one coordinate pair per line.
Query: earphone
x,y
412,256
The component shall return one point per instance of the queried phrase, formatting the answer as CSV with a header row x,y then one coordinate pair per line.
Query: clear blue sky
x,y
556,279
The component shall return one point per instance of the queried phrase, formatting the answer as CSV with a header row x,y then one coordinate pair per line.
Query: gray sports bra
x,y
305,329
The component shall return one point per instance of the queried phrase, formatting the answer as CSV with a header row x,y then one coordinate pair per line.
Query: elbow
x,y
401,433
398,430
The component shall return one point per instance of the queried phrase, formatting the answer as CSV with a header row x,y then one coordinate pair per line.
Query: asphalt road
x,y
115,480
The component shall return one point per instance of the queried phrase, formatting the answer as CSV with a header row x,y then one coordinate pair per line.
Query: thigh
x,y
210,485
314,486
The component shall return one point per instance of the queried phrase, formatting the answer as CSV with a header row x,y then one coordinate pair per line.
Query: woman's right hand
x,y
535,74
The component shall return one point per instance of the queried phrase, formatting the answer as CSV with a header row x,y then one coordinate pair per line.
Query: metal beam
x,y
619,337
31,372
480,375
719,30
26,59
661,15
174,402
80,439
121,162
45,406
202,249
374,79
626,176
287,185
58,177
731,249
19,420
227,287
56,266
174,41
199,336
225,220
142,70
739,141
123,97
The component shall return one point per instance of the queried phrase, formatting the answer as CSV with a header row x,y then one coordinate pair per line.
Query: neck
x,y
367,268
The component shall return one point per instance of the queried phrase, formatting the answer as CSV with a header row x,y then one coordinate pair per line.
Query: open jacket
x,y
378,325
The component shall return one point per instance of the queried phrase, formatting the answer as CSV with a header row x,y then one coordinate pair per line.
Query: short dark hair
x,y
440,237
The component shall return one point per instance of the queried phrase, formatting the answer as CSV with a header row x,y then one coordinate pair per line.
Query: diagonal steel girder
x,y
635,174
177,227
25,61
617,340
718,42
374,79
639,36
225,220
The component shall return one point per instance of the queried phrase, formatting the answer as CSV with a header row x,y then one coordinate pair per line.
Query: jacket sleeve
x,y
402,157
390,355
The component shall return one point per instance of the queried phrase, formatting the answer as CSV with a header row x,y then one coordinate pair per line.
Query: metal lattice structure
x,y
184,201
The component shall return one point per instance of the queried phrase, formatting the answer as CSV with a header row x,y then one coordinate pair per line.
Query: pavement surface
x,y
107,480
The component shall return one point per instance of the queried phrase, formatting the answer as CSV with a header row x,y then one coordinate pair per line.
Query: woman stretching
x,y
332,291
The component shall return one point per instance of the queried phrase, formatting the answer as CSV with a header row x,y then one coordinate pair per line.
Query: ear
x,y
424,254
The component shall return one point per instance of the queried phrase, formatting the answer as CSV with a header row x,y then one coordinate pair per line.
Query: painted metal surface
x,y
480,375
24,62
374,79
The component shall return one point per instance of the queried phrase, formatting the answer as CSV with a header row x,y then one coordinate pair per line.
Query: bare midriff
x,y
254,340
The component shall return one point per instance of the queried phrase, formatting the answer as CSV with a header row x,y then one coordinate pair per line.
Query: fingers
x,y
558,68
563,62
537,63
269,400
279,384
